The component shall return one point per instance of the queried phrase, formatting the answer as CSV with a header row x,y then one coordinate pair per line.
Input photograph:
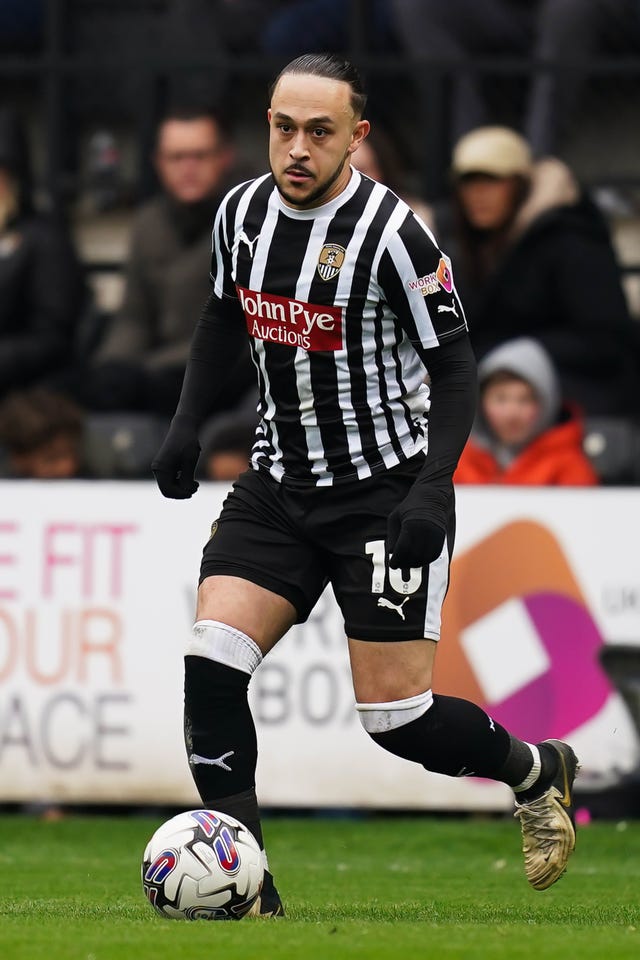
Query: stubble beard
x,y
311,200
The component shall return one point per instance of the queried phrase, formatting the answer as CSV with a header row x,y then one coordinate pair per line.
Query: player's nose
x,y
299,148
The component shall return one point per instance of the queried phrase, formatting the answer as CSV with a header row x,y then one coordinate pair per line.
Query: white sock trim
x,y
220,642
534,773
380,717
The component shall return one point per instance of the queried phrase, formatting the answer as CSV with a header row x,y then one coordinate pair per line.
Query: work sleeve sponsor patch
x,y
439,279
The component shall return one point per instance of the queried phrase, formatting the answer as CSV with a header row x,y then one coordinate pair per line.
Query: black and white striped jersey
x,y
337,301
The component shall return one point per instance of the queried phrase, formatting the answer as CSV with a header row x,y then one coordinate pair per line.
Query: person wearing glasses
x,y
141,362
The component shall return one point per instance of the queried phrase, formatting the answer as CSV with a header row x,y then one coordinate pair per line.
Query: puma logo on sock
x,y
219,762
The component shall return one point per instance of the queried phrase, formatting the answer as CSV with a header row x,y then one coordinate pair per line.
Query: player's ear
x,y
360,131
269,115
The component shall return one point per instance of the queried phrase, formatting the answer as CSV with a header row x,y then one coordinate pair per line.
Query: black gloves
x,y
175,462
416,529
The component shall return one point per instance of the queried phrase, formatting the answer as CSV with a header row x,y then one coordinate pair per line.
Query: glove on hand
x,y
175,462
417,528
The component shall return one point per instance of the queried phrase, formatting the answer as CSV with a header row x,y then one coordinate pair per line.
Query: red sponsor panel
x,y
292,323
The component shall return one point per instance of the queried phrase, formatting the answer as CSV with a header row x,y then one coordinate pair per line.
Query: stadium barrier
x,y
97,597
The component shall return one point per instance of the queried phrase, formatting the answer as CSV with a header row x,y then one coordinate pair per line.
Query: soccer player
x,y
347,302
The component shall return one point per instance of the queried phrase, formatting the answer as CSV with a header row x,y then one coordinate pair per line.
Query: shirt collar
x,y
325,209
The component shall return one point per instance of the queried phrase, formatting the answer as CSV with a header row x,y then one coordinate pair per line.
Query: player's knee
x,y
218,665
223,644
378,718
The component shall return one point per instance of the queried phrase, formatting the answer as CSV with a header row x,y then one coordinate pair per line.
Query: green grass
x,y
375,889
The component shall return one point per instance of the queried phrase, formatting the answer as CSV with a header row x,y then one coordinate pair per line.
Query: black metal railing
x,y
52,68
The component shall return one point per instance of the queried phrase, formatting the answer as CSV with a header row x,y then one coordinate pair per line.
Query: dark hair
x,y
386,153
234,435
504,376
31,418
331,67
14,155
483,250
194,111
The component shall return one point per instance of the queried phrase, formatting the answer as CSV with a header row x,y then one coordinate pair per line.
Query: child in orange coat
x,y
522,434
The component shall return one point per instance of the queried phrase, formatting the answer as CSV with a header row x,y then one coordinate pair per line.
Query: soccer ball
x,y
202,865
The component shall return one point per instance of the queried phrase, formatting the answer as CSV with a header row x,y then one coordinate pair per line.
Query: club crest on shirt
x,y
330,260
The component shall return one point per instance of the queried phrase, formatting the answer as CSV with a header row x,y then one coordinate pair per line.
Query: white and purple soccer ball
x,y
202,865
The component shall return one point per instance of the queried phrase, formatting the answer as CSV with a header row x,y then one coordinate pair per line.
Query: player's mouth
x,y
298,175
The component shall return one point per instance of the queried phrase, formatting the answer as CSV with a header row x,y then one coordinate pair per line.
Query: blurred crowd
x,y
87,392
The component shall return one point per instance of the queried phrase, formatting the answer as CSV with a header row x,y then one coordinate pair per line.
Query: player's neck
x,y
329,204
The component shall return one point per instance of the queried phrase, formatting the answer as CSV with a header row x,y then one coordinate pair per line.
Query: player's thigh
x,y
379,603
383,672
258,573
261,614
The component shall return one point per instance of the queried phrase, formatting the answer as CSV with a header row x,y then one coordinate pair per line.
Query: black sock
x,y
242,806
457,738
548,770
218,726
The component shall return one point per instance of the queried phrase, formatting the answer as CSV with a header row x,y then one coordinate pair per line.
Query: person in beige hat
x,y
534,259
498,151
492,167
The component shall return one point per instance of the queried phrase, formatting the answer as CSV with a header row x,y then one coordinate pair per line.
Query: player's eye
x,y
284,127
320,132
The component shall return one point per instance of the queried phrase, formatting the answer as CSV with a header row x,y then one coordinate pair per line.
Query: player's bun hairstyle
x,y
331,67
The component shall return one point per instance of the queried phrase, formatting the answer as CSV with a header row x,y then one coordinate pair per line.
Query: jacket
x,y
166,286
552,454
41,286
556,280
555,458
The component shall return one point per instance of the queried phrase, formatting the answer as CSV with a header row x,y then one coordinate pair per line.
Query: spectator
x,y
378,158
533,257
228,449
522,433
141,362
565,33
41,432
41,290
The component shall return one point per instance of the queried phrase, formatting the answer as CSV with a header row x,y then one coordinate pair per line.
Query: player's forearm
x,y
417,528
218,340
452,371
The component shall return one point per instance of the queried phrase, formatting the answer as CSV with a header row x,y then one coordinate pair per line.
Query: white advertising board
x,y
97,592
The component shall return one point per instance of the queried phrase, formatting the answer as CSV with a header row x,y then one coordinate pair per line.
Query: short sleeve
x,y
416,281
221,273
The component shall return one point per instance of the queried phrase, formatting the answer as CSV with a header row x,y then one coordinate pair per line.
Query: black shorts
x,y
294,542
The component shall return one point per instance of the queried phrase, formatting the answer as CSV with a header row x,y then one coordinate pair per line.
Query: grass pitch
x,y
380,889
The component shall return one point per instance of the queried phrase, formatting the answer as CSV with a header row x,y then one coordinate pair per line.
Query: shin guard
x,y
219,732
